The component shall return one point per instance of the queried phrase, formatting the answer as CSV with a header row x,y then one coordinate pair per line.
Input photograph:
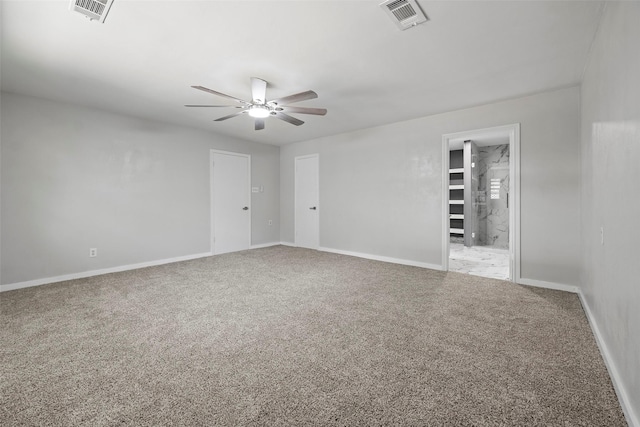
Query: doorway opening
x,y
481,202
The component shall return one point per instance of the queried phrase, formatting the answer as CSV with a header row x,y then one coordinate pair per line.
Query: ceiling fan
x,y
259,108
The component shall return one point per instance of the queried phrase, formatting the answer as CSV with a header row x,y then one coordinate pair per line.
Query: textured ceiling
x,y
144,58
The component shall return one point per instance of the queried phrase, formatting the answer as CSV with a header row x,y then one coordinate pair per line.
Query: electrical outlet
x,y
93,252
602,236
270,222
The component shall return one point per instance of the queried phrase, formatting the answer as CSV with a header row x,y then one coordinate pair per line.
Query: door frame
x,y
212,152
295,196
513,132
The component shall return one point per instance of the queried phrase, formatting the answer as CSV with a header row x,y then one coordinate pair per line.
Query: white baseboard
x,y
293,245
383,258
84,274
548,285
265,245
616,378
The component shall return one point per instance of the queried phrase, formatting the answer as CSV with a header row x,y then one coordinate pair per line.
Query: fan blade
x,y
229,116
258,90
228,106
220,94
302,96
288,119
259,124
304,110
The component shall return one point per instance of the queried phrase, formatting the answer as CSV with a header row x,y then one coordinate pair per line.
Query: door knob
x,y
313,208
246,208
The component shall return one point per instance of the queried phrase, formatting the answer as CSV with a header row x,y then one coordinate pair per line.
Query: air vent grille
x,y
394,3
95,6
92,9
405,13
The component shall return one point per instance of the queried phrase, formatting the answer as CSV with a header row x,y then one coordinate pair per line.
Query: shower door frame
x,y
513,132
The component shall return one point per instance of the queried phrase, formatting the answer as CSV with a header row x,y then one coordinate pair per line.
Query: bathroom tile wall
x,y
493,189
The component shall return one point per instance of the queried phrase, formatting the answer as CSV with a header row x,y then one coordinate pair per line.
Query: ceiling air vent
x,y
93,9
405,13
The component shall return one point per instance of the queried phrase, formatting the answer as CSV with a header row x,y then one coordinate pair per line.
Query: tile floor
x,y
482,261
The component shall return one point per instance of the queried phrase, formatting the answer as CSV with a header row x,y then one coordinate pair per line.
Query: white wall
x,y
381,188
611,191
138,190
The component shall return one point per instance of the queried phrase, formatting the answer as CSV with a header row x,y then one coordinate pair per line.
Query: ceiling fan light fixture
x,y
259,111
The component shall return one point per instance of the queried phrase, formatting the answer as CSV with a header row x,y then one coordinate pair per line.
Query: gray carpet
x,y
286,336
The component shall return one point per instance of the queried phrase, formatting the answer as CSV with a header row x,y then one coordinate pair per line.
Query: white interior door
x,y
307,207
230,200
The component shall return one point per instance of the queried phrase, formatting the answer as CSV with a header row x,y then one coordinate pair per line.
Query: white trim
x,y
446,237
382,258
91,273
290,244
513,132
265,245
514,214
295,194
618,385
548,285
212,152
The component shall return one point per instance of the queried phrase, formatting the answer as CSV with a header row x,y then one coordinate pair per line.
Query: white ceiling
x,y
144,58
